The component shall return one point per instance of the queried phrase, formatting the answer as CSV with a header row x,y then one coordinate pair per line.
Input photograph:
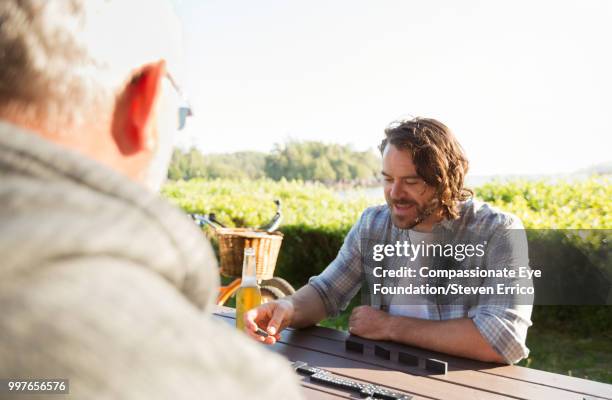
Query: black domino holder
x,y
368,390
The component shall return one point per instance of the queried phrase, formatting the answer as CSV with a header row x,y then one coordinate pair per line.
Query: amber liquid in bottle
x,y
248,295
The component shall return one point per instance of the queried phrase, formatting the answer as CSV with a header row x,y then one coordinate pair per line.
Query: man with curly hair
x,y
423,168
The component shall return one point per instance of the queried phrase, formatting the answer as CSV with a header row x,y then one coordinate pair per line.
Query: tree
x,y
308,161
194,164
317,161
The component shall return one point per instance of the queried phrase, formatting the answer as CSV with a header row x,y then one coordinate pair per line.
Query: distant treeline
x,y
307,161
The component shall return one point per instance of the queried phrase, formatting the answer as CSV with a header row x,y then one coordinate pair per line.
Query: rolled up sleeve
x,y
341,280
504,328
503,320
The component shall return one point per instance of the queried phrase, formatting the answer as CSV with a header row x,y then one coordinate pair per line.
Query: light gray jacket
x,y
105,284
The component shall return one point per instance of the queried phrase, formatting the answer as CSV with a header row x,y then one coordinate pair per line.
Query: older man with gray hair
x,y
102,282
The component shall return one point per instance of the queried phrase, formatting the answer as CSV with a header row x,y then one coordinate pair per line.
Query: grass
x,y
552,350
569,354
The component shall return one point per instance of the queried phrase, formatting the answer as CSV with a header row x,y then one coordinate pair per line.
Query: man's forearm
x,y
308,307
458,337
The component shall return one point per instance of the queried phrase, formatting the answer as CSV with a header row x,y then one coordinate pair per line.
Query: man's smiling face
x,y
407,194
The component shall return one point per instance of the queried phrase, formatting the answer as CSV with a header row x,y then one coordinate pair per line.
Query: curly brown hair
x,y
438,157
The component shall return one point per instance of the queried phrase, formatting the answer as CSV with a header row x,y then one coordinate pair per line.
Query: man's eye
x,y
411,183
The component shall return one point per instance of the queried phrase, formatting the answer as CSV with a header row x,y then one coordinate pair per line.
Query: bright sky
x,y
525,85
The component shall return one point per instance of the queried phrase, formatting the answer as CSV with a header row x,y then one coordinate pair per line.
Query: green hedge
x,y
250,203
316,219
564,205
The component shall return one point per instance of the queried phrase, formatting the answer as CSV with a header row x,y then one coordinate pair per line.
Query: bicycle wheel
x,y
281,284
270,293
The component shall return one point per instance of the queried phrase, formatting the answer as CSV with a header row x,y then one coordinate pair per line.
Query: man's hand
x,y
370,323
272,317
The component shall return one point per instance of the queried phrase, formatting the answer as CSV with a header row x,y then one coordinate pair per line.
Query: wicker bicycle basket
x,y
232,242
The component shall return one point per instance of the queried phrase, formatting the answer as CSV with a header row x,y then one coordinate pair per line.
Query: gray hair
x,y
61,59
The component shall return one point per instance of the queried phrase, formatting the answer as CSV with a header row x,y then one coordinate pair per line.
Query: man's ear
x,y
134,127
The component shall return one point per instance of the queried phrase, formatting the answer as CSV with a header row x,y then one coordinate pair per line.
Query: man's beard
x,y
422,213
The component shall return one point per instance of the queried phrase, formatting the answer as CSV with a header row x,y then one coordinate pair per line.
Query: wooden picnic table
x,y
325,348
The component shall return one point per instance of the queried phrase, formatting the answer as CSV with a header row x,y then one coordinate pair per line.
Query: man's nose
x,y
396,190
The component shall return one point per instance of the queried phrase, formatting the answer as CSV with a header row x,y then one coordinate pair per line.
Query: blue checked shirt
x,y
503,322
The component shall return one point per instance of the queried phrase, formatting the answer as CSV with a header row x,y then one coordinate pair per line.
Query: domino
x,y
408,359
436,366
381,352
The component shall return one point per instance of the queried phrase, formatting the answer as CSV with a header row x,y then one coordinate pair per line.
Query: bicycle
x,y
232,242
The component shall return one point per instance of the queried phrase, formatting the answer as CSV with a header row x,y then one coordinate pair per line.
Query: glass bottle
x,y
248,295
